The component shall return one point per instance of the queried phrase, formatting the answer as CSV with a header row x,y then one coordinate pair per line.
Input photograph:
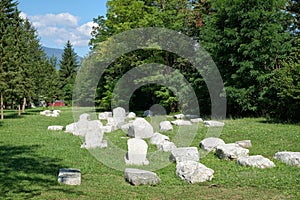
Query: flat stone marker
x,y
45,112
211,143
166,146
255,161
137,152
94,136
231,151
244,143
140,128
165,126
69,176
180,122
157,138
193,172
212,123
184,154
141,177
288,157
196,120
55,128
179,116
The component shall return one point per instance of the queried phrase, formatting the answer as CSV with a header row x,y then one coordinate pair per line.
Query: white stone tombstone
x,y
213,123
288,157
131,115
193,172
157,138
255,161
104,115
231,151
180,122
137,152
166,146
69,176
184,154
141,177
70,128
211,143
140,128
94,136
165,126
55,128
81,127
119,115
196,120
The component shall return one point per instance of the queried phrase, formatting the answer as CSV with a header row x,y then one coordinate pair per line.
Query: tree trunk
x,y
19,109
24,105
2,107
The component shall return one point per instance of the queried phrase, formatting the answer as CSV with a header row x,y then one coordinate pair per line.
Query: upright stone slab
x,y
211,143
231,151
288,157
255,161
165,126
119,115
184,154
140,128
193,172
69,176
137,152
82,125
94,136
141,177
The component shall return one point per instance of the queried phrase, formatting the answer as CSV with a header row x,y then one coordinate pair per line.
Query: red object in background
x,y
58,103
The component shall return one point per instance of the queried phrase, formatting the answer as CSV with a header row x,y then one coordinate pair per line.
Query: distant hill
x,y
50,52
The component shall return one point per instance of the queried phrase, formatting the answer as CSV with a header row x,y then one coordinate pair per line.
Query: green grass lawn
x,y
31,157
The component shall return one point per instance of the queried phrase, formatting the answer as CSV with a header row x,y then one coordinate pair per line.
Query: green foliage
x,y
67,72
247,41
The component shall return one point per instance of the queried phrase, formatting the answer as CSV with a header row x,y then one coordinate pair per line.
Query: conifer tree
x,y
67,72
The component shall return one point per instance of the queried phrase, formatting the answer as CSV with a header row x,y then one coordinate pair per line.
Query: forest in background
x,y
27,75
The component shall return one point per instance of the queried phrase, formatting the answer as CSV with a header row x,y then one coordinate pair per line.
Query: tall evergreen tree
x,y
67,72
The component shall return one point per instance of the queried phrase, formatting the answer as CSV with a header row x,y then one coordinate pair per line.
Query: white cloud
x,y
23,15
59,28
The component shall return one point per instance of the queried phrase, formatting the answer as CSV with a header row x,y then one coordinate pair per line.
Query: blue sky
x,y
58,21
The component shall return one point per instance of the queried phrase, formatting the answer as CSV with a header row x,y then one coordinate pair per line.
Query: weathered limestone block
x,y
141,177
193,172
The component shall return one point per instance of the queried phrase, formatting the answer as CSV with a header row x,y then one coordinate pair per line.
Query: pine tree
x,y
67,73
7,9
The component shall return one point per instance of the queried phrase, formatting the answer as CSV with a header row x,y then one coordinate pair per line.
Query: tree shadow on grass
x,y
25,174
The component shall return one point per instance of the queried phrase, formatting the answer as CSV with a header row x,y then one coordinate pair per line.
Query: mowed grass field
x,y
30,157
